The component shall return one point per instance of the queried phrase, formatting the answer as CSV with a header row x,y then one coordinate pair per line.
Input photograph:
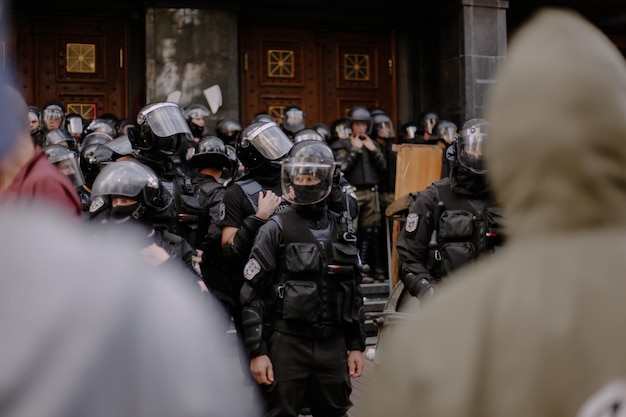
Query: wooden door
x,y
78,61
325,72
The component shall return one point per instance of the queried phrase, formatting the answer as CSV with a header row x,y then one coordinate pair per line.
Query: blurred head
x,y
53,115
292,119
34,115
470,145
66,161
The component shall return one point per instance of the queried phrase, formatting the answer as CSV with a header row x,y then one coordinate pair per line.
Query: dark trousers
x,y
311,372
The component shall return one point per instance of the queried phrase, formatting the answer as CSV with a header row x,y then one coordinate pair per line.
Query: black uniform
x,y
438,238
303,307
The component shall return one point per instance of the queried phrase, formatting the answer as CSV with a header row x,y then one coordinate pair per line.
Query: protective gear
x,y
101,126
161,128
114,149
211,152
122,126
195,114
306,134
53,110
65,160
253,330
323,131
75,124
227,129
419,287
341,129
292,119
470,146
383,126
307,172
232,172
445,131
262,144
134,180
89,164
60,136
242,243
408,131
34,117
426,123
360,114
262,117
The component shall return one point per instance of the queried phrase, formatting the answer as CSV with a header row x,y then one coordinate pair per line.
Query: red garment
x,y
39,180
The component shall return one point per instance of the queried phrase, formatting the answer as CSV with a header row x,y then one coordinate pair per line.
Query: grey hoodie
x,y
537,329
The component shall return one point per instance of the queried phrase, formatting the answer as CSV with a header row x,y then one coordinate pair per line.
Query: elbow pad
x,y
252,324
418,286
242,243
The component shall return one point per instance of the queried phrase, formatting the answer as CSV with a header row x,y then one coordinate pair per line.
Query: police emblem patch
x,y
411,222
96,204
222,211
251,269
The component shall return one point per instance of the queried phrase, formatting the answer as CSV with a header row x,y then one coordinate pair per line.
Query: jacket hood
x,y
557,148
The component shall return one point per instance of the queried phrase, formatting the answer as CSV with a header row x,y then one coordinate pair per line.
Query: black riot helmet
x,y
114,149
101,125
292,119
134,180
89,164
161,129
60,136
307,172
261,145
407,132
323,130
227,129
470,145
211,152
383,126
444,131
306,134
360,114
262,117
195,114
426,122
232,171
66,161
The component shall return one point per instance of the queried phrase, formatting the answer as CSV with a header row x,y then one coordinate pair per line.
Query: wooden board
x,y
417,167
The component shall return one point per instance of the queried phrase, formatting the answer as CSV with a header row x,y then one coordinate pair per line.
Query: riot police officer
x,y
195,114
163,138
454,220
292,120
227,129
302,299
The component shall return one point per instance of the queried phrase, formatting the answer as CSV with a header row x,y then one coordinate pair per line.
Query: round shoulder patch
x,y
96,204
222,211
411,222
251,269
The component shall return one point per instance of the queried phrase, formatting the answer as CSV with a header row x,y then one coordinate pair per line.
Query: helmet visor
x,y
165,119
123,179
306,182
270,141
471,153
75,126
448,134
385,130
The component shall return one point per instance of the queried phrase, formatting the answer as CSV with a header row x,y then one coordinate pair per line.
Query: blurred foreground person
x,y
536,329
26,175
124,340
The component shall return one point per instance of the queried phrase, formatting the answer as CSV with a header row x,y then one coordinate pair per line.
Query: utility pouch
x,y
300,300
455,254
456,224
345,253
302,257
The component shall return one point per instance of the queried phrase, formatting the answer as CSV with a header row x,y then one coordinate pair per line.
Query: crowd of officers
x,y
280,222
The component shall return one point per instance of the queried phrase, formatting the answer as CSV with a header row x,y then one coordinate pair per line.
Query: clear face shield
x,y
385,130
429,124
67,163
410,132
167,125
448,134
293,120
471,152
306,181
123,179
75,126
343,131
270,141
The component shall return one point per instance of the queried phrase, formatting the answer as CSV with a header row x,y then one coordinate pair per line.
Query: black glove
x,y
418,286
